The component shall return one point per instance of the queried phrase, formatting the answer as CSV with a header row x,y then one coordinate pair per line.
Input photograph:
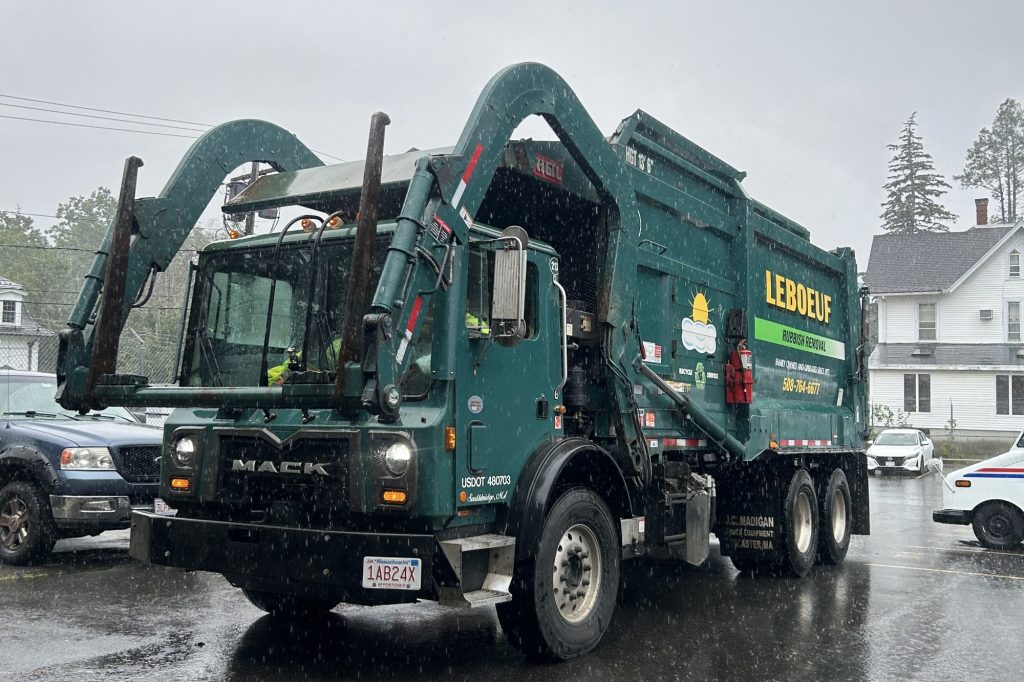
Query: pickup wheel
x,y
27,531
998,525
835,514
563,598
288,606
799,526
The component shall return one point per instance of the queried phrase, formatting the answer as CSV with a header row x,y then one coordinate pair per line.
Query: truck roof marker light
x,y
307,225
180,484
449,438
234,234
963,483
390,496
334,223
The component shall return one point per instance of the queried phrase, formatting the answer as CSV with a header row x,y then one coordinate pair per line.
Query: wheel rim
x,y
999,527
14,524
838,516
802,522
577,573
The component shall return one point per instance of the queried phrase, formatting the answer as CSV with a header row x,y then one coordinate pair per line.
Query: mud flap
x,y
749,513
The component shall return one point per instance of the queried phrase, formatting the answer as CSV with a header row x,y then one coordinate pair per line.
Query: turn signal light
x,y
449,438
307,225
180,484
395,496
334,223
963,483
234,234
772,443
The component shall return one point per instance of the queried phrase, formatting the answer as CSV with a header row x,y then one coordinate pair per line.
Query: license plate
x,y
162,508
889,463
391,573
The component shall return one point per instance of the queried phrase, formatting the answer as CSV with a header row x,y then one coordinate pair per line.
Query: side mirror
x,y
508,304
869,442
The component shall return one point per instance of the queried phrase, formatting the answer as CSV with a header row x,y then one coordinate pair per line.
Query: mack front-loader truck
x,y
487,375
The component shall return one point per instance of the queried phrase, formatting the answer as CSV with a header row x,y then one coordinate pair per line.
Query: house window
x,y
10,312
1013,321
1015,264
917,392
1010,394
926,321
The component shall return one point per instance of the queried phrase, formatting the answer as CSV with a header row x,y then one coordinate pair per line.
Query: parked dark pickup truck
x,y
65,475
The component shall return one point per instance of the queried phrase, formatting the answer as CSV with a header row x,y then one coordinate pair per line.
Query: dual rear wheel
x,y
813,529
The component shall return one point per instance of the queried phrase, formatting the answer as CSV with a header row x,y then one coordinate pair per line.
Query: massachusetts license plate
x,y
162,508
391,573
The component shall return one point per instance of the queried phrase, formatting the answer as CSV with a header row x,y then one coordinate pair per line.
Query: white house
x,y
950,342
20,335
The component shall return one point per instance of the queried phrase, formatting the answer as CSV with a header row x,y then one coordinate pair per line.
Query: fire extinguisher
x,y
739,376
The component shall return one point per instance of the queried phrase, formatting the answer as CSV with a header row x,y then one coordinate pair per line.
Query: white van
x,y
989,496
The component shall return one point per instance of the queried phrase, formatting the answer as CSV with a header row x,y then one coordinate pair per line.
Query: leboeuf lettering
x,y
794,297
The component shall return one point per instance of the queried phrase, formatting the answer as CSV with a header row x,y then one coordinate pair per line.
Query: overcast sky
x,y
803,96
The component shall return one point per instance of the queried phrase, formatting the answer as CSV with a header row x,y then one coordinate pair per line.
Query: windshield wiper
x,y
110,417
34,413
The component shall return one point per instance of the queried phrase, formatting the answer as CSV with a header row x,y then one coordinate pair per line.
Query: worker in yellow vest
x,y
277,374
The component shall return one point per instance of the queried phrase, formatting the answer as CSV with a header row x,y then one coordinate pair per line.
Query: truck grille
x,y
140,463
260,474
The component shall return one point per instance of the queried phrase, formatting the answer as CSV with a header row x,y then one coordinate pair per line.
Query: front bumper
x,y
913,464
92,511
282,559
960,517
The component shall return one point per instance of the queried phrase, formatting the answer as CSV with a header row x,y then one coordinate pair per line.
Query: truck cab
x,y
989,497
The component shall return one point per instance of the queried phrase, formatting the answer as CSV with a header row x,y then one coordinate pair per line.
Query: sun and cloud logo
x,y
698,332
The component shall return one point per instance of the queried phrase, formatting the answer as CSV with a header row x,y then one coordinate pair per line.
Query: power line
x,y
83,125
102,118
105,111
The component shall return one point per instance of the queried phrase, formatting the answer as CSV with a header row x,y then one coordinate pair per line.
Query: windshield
x,y
890,438
230,317
26,396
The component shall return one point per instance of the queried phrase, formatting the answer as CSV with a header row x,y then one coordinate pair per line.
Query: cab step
x,y
483,566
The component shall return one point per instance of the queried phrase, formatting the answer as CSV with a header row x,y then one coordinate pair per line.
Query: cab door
x,y
505,395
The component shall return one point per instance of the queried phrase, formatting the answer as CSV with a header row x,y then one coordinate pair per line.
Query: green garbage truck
x,y
487,374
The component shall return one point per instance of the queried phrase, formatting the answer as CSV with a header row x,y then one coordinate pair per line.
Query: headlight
x,y
397,458
185,452
86,459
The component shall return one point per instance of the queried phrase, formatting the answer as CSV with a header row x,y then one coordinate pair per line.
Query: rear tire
x,y
799,526
564,597
27,531
835,515
998,525
288,605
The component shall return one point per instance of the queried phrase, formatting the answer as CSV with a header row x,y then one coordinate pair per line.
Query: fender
x,y
536,485
32,464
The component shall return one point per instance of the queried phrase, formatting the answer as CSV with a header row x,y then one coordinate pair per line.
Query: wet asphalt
x,y
914,601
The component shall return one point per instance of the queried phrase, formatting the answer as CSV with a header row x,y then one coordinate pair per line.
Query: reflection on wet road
x,y
914,601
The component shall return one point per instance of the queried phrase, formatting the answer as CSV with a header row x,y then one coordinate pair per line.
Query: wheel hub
x,y
576,576
802,522
999,526
14,524
838,516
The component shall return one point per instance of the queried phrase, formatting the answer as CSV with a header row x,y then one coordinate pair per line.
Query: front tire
x,y
835,515
287,606
27,531
998,525
564,597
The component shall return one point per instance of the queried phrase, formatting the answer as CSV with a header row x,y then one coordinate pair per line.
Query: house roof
x,y
930,354
927,261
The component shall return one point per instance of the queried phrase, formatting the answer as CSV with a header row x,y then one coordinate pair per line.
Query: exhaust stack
x,y
358,300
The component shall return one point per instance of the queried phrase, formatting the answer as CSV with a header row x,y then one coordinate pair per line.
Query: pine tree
x,y
996,160
913,188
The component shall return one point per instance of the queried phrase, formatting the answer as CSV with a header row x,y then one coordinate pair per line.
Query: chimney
x,y
981,211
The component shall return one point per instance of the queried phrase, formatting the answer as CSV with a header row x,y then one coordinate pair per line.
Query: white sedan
x,y
900,450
